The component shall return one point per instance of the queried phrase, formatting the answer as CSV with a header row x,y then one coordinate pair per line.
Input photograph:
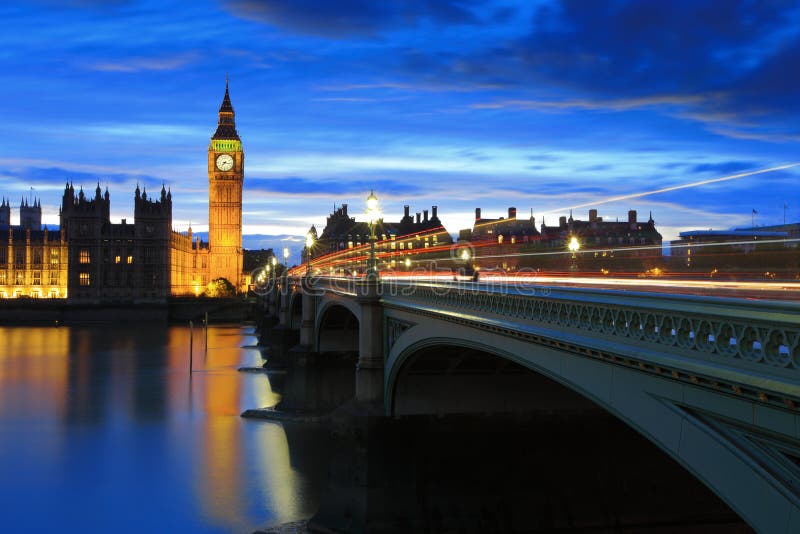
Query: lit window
x,y
53,256
19,279
85,280
53,278
130,260
2,278
500,239
410,245
37,278
84,256
513,239
117,259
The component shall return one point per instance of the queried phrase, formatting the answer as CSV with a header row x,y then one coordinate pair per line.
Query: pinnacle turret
x,y
226,126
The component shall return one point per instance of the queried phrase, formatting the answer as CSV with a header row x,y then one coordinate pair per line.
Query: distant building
x,y
508,230
764,251
398,243
511,243
92,259
33,261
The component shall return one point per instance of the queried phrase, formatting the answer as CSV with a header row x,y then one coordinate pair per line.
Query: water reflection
x,y
106,428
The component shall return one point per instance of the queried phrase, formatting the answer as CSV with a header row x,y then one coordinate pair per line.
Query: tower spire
x,y
226,126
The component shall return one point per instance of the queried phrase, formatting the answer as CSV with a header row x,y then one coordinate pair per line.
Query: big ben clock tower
x,y
225,178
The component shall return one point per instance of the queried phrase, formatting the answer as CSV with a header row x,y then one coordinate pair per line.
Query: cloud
x,y
345,18
725,167
139,64
305,187
54,178
623,104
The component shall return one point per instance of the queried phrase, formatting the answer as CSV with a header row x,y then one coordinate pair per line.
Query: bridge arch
x,y
337,326
671,414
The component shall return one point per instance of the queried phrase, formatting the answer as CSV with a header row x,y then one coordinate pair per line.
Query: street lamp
x,y
309,244
573,246
373,214
286,256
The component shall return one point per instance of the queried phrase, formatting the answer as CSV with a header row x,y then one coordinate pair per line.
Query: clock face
x,y
224,162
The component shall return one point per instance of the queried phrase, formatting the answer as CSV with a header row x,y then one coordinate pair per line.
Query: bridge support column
x,y
284,295
309,315
369,370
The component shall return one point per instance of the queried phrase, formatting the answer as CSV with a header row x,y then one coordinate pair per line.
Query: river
x,y
105,430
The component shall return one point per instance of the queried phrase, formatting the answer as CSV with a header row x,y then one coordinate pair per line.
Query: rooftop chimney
x,y
344,209
425,215
406,211
512,213
434,209
592,215
477,214
632,216
562,221
417,217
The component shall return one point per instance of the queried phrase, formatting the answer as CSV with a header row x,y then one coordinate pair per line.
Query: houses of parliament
x,y
91,259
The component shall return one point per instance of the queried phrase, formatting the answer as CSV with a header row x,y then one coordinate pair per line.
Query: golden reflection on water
x,y
33,371
140,377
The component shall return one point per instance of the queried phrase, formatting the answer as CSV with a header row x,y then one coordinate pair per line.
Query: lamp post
x,y
574,246
309,244
286,257
373,214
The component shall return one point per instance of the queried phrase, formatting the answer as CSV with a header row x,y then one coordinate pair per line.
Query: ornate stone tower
x,y
225,178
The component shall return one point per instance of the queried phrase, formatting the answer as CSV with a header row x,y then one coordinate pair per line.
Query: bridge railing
x,y
761,333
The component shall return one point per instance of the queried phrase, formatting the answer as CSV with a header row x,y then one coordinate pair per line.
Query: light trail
x,y
674,188
783,290
589,251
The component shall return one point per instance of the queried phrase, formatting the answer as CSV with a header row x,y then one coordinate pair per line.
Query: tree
x,y
220,287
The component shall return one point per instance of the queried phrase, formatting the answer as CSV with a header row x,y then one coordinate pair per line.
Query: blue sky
x,y
541,105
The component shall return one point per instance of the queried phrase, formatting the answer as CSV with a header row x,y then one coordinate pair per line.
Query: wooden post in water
x,y
191,343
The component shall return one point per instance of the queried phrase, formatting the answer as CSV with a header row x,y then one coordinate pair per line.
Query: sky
x,y
542,105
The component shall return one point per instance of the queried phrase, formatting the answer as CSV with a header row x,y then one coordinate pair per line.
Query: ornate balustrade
x,y
753,334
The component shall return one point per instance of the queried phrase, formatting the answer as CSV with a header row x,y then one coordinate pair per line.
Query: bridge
x,y
714,382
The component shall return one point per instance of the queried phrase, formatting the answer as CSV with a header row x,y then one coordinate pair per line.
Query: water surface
x,y
104,429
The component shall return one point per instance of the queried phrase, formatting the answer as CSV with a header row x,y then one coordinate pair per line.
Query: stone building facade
x,y
399,244
91,259
33,260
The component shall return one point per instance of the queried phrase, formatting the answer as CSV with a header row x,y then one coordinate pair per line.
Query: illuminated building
x,y
92,259
510,243
117,261
32,259
398,244
225,181
762,252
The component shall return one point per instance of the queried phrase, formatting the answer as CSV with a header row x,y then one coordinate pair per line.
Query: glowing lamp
x,y
574,245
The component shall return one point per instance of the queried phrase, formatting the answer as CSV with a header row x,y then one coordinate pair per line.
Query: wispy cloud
x,y
140,64
620,104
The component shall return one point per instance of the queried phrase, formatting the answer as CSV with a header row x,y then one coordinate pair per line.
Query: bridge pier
x,y
307,332
278,333
369,369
